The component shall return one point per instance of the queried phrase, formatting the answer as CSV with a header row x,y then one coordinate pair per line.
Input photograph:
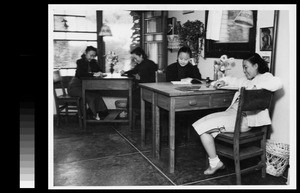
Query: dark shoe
x,y
210,170
103,114
89,114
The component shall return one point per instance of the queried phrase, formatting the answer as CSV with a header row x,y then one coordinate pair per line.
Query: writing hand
x,y
219,84
137,76
97,74
192,61
122,72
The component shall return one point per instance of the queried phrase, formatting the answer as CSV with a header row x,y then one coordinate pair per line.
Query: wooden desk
x,y
164,95
112,84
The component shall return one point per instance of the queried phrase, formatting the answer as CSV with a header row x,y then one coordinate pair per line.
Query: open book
x,y
187,81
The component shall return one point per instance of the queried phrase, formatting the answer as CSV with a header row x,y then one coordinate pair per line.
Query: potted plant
x,y
191,34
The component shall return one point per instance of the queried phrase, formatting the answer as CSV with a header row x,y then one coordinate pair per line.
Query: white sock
x,y
213,162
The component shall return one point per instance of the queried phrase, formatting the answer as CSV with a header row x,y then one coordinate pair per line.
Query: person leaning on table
x,y
143,72
257,76
184,67
87,66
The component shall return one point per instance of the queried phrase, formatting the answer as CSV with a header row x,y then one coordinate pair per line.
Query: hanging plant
x,y
191,34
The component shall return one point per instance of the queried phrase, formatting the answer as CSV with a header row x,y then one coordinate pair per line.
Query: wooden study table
x,y
165,95
112,84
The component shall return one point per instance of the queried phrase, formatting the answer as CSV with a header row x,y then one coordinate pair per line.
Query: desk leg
x,y
83,108
142,120
154,130
172,136
157,131
130,116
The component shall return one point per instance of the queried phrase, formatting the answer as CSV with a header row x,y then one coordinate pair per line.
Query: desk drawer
x,y
147,95
191,102
107,84
221,100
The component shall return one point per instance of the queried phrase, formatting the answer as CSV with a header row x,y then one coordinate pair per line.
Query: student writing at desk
x,y
257,76
184,67
87,66
143,72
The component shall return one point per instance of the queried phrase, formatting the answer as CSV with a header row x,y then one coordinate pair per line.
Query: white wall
x,y
281,115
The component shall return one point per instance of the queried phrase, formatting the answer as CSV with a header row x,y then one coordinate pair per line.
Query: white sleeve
x,y
234,81
270,82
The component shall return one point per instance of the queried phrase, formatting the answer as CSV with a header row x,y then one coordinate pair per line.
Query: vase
x,y
111,69
215,73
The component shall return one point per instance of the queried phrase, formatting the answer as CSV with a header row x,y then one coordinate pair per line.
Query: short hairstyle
x,y
140,52
255,58
185,49
90,48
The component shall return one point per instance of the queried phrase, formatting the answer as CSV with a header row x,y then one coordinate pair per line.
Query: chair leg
x,y
67,112
79,113
237,170
57,118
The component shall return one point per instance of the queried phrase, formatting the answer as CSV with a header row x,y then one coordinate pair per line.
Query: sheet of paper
x,y
229,88
180,82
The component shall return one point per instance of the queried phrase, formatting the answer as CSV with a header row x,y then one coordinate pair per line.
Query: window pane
x,y
230,32
123,37
66,53
75,23
75,20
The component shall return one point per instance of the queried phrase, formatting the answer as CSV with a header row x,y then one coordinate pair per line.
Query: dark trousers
x,y
93,98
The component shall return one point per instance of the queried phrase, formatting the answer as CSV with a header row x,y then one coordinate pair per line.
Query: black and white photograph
x,y
214,110
266,39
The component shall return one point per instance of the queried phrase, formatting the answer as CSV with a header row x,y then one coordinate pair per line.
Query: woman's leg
x,y
208,144
95,102
204,128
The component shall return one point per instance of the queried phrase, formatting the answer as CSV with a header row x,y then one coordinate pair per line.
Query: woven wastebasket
x,y
277,157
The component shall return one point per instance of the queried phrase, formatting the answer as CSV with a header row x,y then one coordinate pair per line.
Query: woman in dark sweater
x,y
183,68
143,72
87,66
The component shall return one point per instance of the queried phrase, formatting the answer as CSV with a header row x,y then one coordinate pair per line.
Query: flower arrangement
x,y
221,65
112,59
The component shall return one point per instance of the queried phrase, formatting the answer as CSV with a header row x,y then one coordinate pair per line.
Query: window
x,y
73,31
124,26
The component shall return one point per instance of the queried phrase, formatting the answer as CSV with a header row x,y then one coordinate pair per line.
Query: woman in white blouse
x,y
257,76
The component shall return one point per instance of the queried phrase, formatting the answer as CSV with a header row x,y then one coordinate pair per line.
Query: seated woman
x,y
87,66
184,67
256,77
143,72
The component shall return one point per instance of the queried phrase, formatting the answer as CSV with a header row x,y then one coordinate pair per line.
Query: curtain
x,y
214,24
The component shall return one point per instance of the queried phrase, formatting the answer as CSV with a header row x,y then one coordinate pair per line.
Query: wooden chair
x,y
64,103
245,145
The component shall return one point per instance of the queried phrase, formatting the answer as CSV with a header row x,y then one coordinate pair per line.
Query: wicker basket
x,y
277,157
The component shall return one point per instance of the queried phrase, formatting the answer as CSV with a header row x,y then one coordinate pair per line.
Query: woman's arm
x,y
82,69
269,82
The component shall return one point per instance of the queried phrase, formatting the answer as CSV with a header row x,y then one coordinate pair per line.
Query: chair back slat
x,y
160,76
253,100
58,82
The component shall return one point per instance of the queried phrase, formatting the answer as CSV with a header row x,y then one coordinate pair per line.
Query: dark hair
x,y
185,49
90,48
140,52
256,59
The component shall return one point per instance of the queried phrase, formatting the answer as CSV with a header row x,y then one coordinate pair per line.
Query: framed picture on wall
x,y
266,39
235,41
